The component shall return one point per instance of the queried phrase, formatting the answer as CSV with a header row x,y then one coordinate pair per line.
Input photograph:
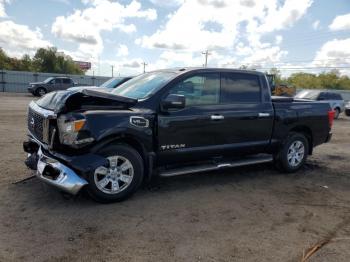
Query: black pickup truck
x,y
167,123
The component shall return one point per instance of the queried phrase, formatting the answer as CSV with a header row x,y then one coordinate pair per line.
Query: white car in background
x,y
334,99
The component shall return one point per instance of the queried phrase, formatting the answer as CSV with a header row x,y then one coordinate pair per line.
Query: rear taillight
x,y
331,118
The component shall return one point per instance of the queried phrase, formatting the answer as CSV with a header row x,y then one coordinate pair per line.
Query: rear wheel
x,y
337,113
40,91
293,153
120,178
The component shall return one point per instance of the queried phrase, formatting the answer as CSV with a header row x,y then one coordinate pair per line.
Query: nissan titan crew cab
x,y
167,123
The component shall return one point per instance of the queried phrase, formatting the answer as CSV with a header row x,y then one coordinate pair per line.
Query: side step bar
x,y
251,160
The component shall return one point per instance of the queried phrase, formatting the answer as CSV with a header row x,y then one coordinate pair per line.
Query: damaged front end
x,y
56,126
67,173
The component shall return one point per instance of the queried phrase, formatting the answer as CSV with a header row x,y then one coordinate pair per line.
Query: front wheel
x,y
120,178
293,153
40,91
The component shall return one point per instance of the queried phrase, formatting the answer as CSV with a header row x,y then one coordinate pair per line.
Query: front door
x,y
191,133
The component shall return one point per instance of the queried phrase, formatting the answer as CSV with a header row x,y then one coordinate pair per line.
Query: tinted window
x,y
66,81
323,96
56,81
240,88
203,89
337,97
308,95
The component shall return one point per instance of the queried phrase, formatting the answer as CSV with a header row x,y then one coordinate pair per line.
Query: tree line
x,y
325,80
45,60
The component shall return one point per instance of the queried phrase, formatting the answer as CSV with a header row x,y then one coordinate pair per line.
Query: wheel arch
x,y
131,141
307,132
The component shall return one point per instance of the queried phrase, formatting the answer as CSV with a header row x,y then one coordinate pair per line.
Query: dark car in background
x,y
347,108
335,100
50,84
107,86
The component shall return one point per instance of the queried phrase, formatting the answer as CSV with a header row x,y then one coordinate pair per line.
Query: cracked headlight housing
x,y
71,131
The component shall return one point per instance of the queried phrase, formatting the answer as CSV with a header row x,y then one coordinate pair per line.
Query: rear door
x,y
66,83
246,111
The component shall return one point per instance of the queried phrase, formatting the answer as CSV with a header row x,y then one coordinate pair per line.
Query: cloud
x,y
284,16
213,3
232,30
167,3
132,64
334,53
122,50
2,7
85,26
316,25
17,39
248,3
341,22
227,20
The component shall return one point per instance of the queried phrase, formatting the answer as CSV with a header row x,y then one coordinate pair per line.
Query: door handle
x,y
264,114
217,117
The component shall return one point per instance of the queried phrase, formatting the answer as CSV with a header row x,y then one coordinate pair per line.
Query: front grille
x,y
36,124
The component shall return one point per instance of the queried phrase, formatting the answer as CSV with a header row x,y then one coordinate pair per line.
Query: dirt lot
x,y
245,214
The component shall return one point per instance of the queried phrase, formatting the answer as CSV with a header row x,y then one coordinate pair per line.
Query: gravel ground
x,y
246,214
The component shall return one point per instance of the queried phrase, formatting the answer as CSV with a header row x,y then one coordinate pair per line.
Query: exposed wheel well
x,y
307,133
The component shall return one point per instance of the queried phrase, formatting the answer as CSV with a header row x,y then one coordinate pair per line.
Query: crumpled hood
x,y
83,99
80,88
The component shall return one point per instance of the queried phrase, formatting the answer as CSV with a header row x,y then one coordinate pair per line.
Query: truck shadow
x,y
235,177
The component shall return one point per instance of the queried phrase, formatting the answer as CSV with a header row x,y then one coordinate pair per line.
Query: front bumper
x,y
57,174
67,173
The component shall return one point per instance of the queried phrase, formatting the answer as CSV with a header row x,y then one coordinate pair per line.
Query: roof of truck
x,y
181,70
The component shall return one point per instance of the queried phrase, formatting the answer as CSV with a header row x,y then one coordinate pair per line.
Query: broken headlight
x,y
70,131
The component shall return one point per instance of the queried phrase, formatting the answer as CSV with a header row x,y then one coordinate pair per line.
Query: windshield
x,y
308,95
112,83
143,85
48,79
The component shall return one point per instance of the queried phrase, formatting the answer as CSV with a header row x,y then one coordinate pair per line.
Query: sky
x,y
292,35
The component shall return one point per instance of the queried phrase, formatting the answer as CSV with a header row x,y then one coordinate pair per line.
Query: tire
x,y
111,184
293,154
337,113
40,91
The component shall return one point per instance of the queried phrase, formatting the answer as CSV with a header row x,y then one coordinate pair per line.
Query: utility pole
x,y
206,53
99,66
112,66
144,66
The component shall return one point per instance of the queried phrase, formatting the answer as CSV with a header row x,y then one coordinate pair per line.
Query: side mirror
x,y
173,101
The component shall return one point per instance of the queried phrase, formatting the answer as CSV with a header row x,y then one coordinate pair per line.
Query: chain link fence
x,y
17,81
